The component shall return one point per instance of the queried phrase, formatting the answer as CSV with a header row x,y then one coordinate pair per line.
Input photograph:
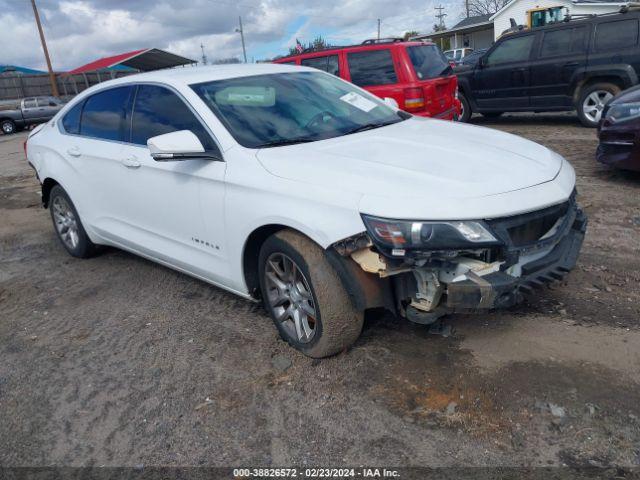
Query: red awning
x,y
144,60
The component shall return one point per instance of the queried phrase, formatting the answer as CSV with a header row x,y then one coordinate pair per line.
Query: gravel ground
x,y
118,361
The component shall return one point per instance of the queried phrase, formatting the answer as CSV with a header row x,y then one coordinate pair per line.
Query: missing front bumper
x,y
500,289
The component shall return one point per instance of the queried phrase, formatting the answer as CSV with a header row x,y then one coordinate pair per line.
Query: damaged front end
x,y
423,270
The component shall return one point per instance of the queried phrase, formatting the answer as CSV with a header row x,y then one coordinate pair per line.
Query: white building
x,y
482,31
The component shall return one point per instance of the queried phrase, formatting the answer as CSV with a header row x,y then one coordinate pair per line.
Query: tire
x,y
335,323
465,115
491,114
66,220
8,126
592,100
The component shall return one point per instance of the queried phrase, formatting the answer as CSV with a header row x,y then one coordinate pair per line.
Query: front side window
x,y
511,51
284,108
104,113
158,110
615,35
428,61
373,67
71,120
327,64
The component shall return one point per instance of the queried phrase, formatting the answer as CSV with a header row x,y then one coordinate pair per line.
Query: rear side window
x,y
103,115
71,121
563,42
428,61
615,35
157,110
374,67
512,50
30,103
326,64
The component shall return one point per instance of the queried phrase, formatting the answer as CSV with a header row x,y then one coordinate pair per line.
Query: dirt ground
x,y
118,361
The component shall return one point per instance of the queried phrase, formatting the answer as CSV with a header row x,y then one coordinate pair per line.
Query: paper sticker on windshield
x,y
358,101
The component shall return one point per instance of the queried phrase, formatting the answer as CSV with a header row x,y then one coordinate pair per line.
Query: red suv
x,y
417,75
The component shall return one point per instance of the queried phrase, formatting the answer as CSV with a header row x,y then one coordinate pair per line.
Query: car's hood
x,y
418,158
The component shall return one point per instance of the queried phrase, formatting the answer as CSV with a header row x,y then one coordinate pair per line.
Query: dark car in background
x,y
572,65
619,131
28,111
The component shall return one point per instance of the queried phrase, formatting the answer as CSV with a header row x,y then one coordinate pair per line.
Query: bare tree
x,y
409,34
484,7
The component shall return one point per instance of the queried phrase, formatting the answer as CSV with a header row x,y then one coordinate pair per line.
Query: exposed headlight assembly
x,y
623,112
406,234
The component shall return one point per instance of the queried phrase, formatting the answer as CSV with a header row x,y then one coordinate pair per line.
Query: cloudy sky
x,y
79,31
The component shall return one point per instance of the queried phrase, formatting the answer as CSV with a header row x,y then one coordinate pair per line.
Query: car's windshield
x,y
286,108
428,61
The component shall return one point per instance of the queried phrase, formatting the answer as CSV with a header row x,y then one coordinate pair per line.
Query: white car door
x,y
93,137
163,204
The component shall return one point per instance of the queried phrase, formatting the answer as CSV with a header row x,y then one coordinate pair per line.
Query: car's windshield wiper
x,y
369,126
285,141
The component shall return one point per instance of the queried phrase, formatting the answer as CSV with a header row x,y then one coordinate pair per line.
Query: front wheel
x,y
8,127
466,112
592,101
305,297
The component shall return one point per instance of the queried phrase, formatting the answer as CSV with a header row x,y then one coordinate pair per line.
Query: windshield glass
x,y
286,108
429,61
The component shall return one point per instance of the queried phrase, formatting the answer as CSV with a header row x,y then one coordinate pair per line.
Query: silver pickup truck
x,y
29,111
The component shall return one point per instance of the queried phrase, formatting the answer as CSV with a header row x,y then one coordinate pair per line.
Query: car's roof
x,y
191,75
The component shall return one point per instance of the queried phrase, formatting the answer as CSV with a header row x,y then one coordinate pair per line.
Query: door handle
x,y
74,152
131,162
571,64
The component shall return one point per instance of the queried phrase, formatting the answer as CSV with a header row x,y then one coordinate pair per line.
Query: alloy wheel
x,y
290,298
7,127
65,221
593,105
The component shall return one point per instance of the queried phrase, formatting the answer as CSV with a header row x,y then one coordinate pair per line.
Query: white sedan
x,y
289,185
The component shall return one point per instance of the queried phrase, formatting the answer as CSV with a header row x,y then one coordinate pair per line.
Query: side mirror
x,y
391,102
482,62
177,146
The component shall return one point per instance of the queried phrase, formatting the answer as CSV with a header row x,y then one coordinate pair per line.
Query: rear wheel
x,y
305,297
592,101
68,225
465,113
8,126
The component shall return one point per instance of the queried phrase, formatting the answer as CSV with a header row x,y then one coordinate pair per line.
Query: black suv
x,y
577,64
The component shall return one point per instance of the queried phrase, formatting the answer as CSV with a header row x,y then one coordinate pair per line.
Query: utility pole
x,y
204,56
52,77
378,29
440,16
241,31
